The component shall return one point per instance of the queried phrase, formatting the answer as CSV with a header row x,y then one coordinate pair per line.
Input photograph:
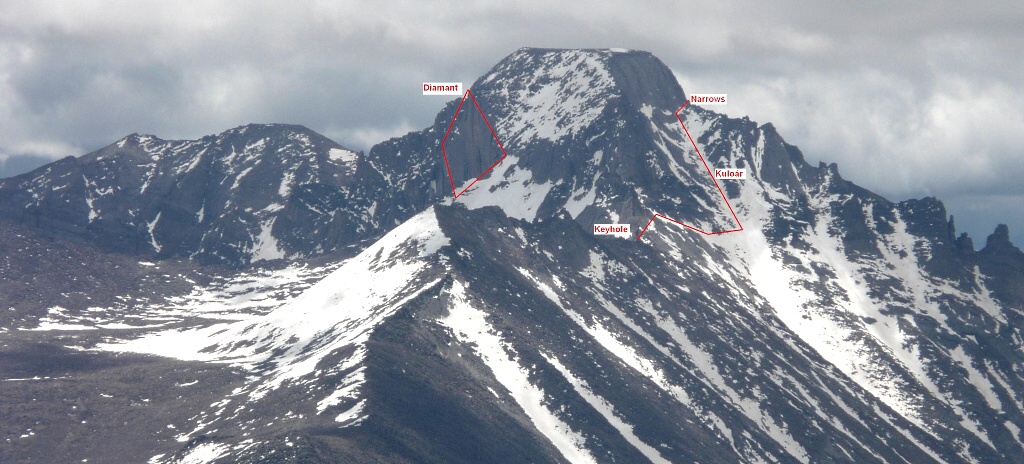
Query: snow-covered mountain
x,y
401,325
254,193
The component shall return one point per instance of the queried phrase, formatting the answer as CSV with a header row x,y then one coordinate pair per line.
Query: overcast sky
x,y
910,98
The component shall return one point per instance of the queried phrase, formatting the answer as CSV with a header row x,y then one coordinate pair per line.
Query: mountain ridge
x,y
838,326
119,196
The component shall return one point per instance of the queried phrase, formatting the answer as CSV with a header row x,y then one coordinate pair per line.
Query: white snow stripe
x,y
607,410
469,325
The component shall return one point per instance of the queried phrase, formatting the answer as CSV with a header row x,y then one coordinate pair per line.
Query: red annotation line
x,y
720,232
445,139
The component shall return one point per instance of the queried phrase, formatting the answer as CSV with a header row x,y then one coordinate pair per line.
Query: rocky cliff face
x,y
1001,261
838,326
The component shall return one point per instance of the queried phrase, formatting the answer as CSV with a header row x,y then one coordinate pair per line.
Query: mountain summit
x,y
590,132
399,324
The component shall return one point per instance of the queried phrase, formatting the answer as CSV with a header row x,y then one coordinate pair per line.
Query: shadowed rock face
x,y
1004,263
471,147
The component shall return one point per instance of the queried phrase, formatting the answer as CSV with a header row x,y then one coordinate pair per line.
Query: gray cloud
x,y
911,99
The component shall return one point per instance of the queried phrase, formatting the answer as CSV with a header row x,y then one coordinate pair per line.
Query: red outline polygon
x,y
445,139
720,232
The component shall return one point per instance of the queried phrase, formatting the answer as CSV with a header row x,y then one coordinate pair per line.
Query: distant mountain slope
x,y
254,193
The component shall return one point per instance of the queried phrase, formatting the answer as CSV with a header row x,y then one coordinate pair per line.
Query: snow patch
x,y
204,453
579,200
344,156
265,246
512,189
152,238
352,416
286,184
979,380
240,176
